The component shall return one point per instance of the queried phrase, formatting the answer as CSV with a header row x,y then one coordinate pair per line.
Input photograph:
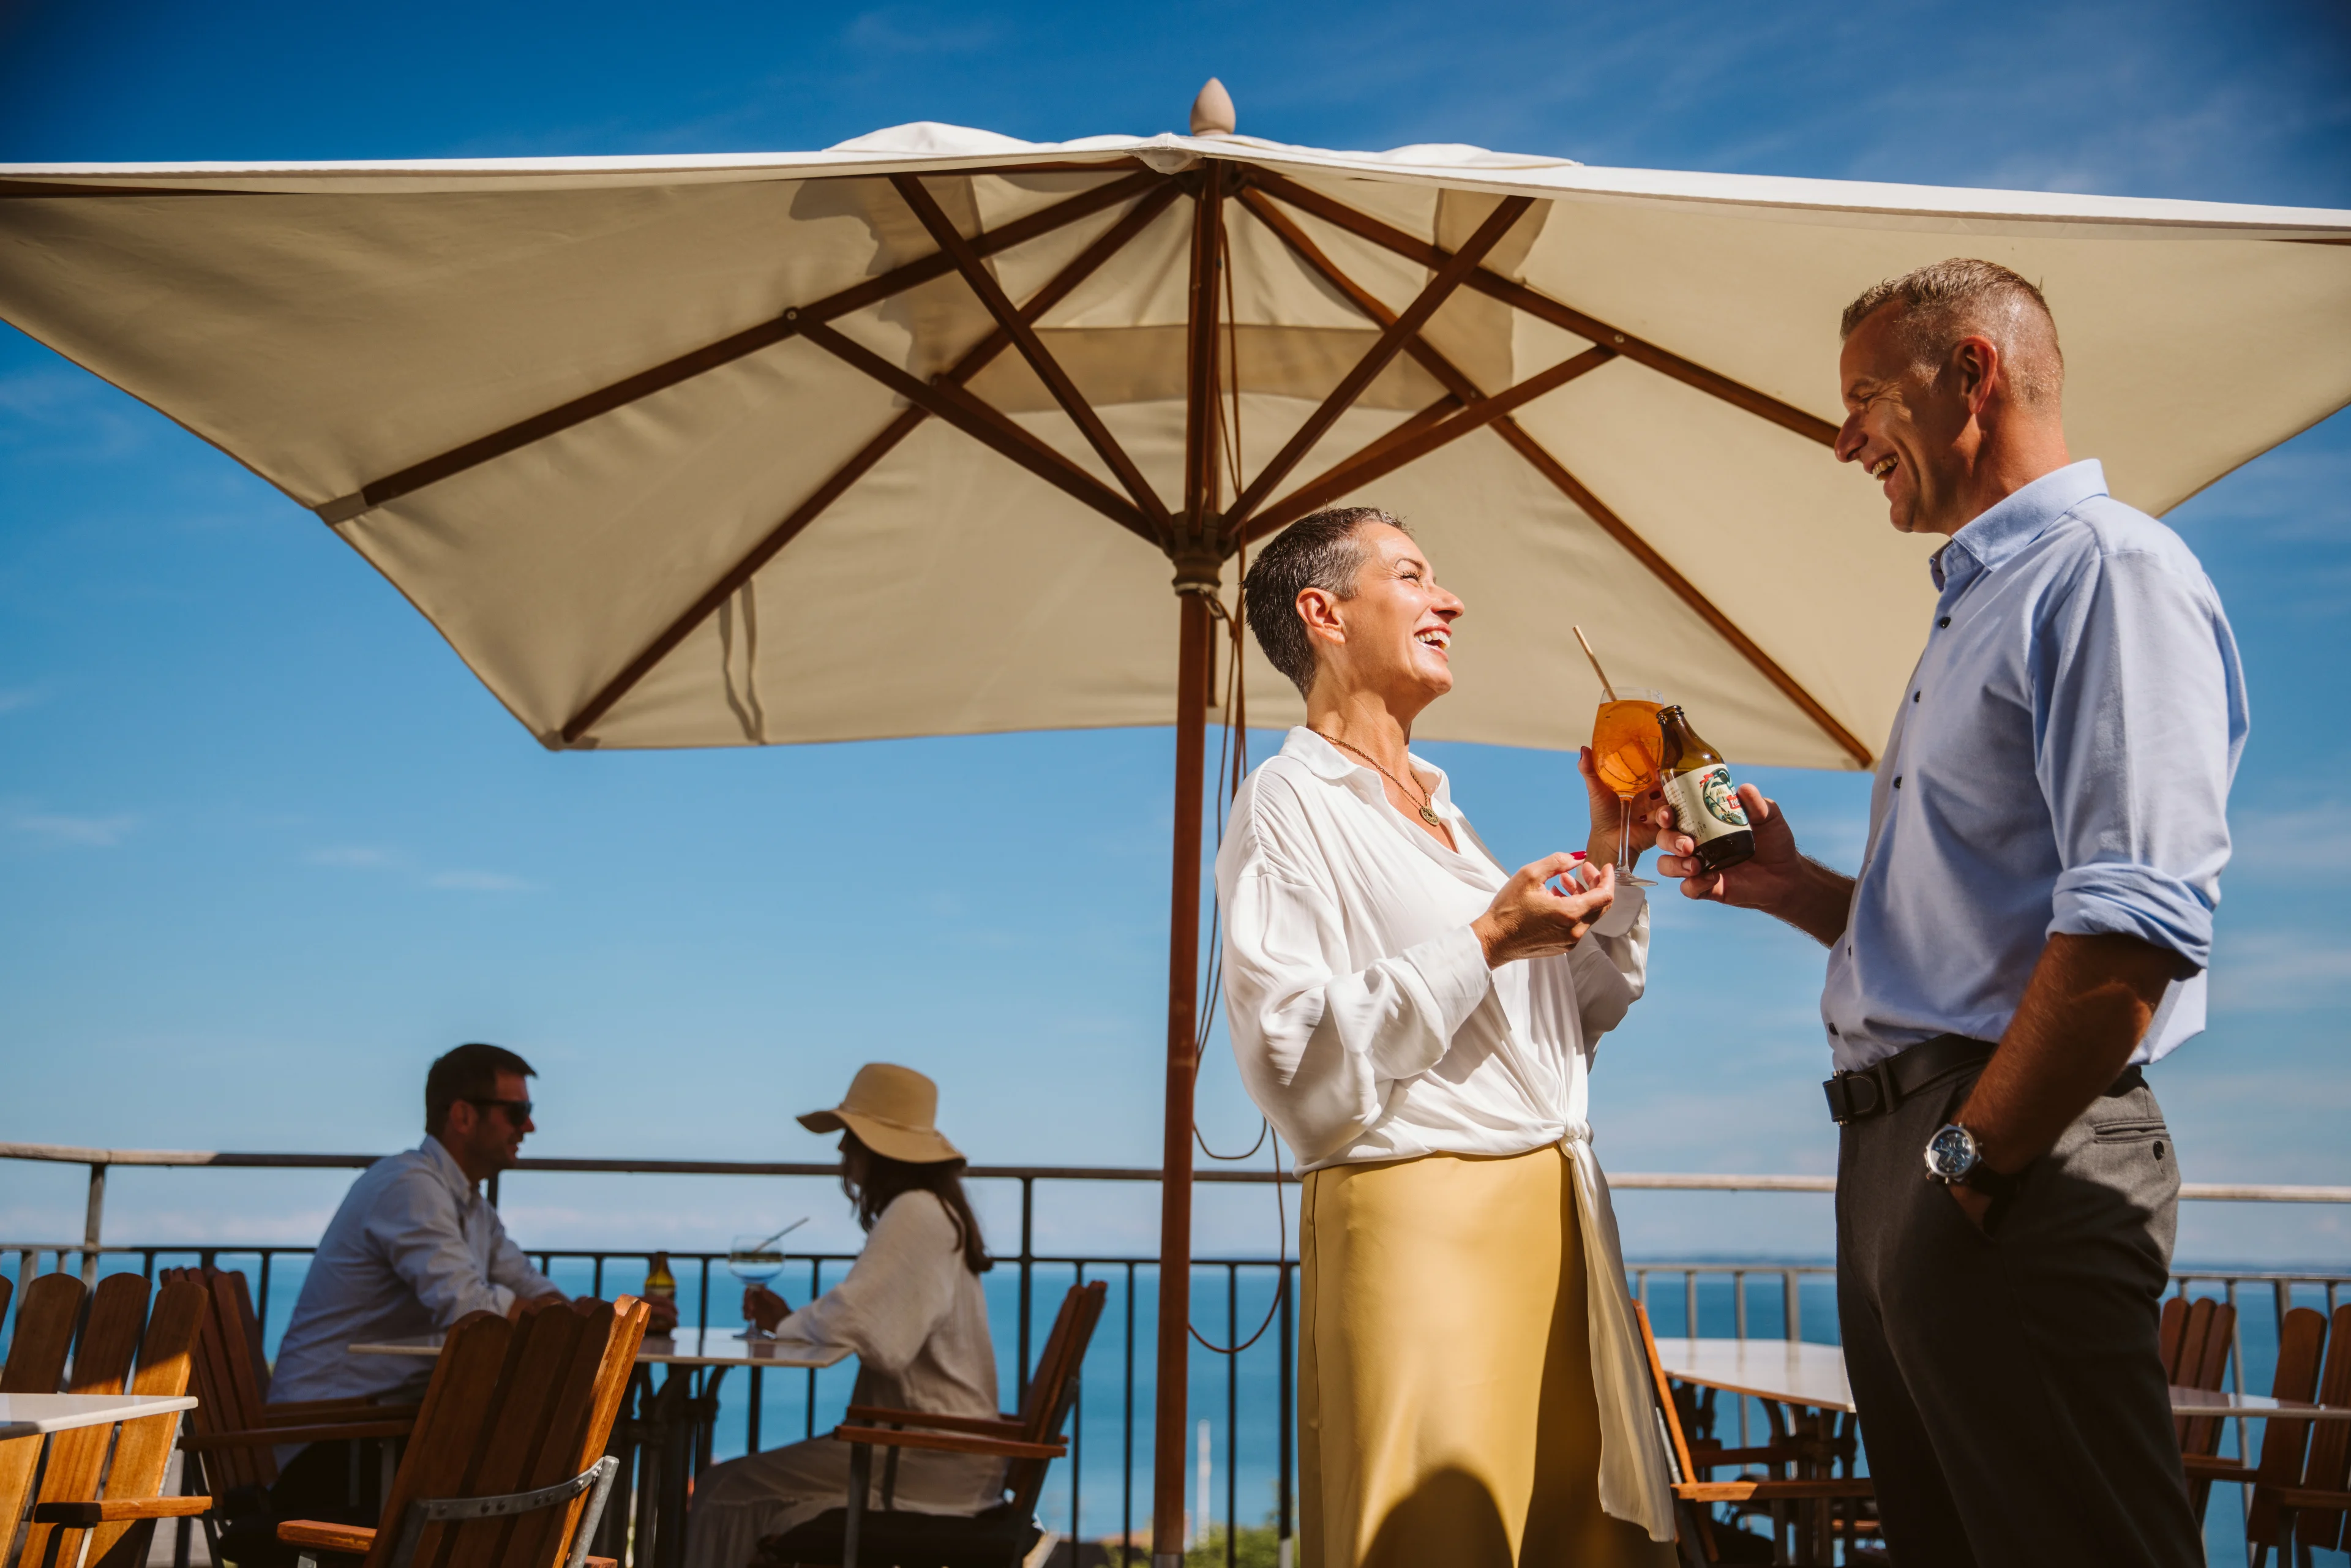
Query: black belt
x,y
1883,1085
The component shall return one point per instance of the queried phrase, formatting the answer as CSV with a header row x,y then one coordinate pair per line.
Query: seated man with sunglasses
x,y
414,1248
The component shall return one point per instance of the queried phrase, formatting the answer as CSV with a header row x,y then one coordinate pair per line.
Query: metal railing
x,y
1781,1312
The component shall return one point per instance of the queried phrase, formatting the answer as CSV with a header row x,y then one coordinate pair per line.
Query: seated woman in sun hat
x,y
911,1308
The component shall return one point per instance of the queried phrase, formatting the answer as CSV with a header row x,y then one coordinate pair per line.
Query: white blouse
x,y
1365,1020
1369,1027
915,1316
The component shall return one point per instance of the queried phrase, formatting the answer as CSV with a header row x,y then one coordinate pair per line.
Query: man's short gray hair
x,y
1324,551
1948,300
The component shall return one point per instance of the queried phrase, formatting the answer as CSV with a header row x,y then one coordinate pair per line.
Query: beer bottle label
x,y
1705,802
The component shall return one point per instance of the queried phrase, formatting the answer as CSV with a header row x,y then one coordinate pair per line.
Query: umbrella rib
x,y
1040,358
1387,455
1552,470
1456,271
1202,379
990,426
1140,217
725,351
1544,308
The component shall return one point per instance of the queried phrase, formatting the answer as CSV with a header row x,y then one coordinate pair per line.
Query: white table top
x,y
688,1347
1792,1374
2210,1402
1813,1376
30,1415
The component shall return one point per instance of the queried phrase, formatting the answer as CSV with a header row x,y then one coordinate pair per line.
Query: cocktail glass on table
x,y
755,1260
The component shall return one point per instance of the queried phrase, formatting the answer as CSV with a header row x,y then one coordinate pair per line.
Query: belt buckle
x,y
1845,1106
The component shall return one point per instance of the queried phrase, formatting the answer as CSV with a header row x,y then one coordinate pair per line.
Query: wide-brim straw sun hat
x,y
893,1111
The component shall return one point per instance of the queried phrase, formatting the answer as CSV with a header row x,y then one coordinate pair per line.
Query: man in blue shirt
x,y
2031,923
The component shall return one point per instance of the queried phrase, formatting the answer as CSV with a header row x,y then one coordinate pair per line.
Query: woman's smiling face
x,y
1395,635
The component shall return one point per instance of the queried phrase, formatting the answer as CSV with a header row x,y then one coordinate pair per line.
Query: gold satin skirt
x,y
1445,1408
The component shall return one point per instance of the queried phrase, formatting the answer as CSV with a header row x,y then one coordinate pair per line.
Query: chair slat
x,y
443,1445
2328,1467
2169,1329
142,1454
36,1365
531,1383
580,1425
117,1310
2300,1339
1048,1406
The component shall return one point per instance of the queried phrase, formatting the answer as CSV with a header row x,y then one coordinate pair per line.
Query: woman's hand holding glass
x,y
1531,918
763,1307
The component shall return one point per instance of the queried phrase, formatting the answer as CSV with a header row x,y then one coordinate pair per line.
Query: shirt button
x,y
1833,1028
1897,781
1946,620
1914,697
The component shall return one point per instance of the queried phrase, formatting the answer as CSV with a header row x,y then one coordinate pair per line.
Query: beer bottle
x,y
661,1285
1697,787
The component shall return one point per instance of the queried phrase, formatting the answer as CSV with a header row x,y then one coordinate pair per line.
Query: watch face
x,y
1950,1152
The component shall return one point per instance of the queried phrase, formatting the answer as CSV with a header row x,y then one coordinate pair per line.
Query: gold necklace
x,y
1427,813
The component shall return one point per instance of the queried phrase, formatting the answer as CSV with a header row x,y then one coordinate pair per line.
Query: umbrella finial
x,y
1212,112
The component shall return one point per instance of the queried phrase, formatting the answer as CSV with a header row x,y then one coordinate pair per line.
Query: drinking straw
x,y
1595,661
780,1235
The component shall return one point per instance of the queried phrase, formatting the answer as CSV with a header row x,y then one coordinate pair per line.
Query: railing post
x,y
1793,1311
91,1221
1027,1257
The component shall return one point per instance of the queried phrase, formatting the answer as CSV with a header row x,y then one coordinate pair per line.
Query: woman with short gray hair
x,y
1420,1023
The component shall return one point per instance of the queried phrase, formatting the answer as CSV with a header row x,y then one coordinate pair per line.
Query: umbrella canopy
x,y
891,439
901,437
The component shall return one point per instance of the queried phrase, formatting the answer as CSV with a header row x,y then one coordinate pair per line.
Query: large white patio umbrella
x,y
902,437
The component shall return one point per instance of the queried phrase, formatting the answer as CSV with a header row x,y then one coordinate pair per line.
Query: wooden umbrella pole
x,y
1197,552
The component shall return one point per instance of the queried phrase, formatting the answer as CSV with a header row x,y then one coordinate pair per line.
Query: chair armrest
x,y
945,1442
977,1425
353,1539
112,1510
1770,1454
312,1412
1775,1492
2213,1468
271,1436
2308,1496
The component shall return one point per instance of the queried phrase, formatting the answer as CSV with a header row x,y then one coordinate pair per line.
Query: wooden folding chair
x,y
235,1429
2302,1337
2317,1511
1692,1494
36,1365
997,1537
119,1520
507,1466
2197,1356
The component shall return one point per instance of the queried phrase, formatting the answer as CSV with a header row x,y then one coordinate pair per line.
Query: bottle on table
x,y
661,1285
1698,786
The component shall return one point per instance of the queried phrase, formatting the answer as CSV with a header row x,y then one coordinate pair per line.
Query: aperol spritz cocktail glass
x,y
1627,747
755,1260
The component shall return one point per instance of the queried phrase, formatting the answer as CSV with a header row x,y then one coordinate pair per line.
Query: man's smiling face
x,y
1901,424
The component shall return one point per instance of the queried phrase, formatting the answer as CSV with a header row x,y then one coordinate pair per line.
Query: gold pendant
x,y
1431,818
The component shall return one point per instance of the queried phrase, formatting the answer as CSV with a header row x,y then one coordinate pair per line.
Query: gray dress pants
x,y
2010,1386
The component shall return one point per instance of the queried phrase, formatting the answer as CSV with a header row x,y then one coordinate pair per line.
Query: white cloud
x,y
14,698
2312,843
91,832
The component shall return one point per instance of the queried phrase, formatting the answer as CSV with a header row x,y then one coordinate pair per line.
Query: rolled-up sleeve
x,y
896,1294
1320,1041
2140,710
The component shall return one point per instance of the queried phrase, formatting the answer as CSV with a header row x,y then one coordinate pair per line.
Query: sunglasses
x,y
517,1110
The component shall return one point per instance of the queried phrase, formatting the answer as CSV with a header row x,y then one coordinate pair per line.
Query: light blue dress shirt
x,y
413,1249
2061,762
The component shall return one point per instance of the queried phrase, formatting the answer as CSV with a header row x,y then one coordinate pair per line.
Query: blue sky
x,y
266,846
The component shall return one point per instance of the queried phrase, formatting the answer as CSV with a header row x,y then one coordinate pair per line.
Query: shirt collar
x,y
1327,761
2015,521
445,1167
